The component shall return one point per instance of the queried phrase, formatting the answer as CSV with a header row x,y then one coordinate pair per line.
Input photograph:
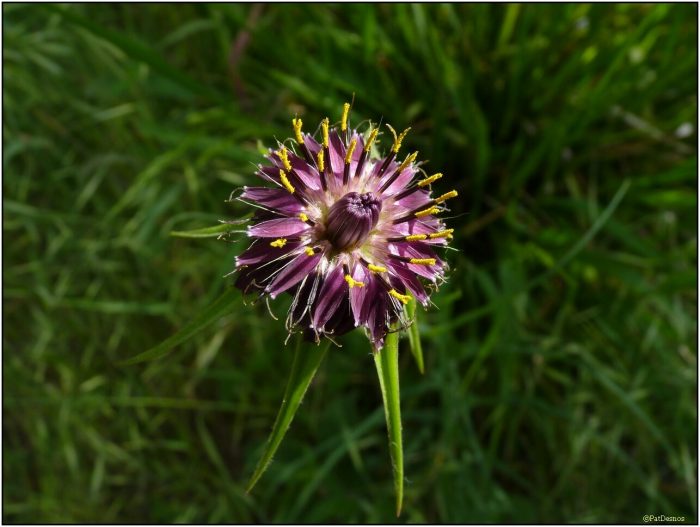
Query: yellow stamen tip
x,y
422,261
447,233
303,217
446,196
296,123
409,159
351,149
416,237
398,296
324,129
398,140
376,268
285,182
352,282
319,160
429,180
282,154
309,251
279,242
344,120
370,139
427,212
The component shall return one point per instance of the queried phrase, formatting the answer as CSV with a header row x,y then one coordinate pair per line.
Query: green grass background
x,y
561,360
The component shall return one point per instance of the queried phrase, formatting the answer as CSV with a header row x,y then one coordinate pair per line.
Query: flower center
x,y
351,219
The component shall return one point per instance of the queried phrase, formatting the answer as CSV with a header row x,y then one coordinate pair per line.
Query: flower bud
x,y
351,219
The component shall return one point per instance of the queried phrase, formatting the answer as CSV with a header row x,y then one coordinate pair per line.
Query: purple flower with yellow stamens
x,y
350,234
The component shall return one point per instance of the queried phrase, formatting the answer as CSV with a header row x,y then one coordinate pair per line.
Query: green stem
x,y
387,364
306,362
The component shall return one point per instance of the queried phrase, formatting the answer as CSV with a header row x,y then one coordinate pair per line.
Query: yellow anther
x,y
282,154
296,123
351,149
398,296
370,139
446,196
303,217
416,237
398,140
344,119
352,282
376,268
285,182
447,233
324,131
409,159
279,242
429,180
309,251
319,160
422,261
427,212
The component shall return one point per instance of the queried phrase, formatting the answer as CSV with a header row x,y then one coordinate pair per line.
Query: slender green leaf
x,y
210,315
414,335
306,362
206,232
387,363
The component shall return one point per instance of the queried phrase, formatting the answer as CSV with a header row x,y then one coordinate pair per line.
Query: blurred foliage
x,y
561,360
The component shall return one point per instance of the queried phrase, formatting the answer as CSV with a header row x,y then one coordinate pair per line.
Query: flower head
x,y
351,235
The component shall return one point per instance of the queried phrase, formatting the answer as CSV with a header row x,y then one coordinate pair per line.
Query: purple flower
x,y
351,235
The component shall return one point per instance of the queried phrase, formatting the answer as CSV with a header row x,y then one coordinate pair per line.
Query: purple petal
x,y
356,154
262,251
272,174
372,287
311,145
341,322
389,170
269,174
293,273
273,198
410,281
400,183
302,177
278,228
308,175
417,226
336,150
416,199
333,293
419,229
358,294
378,318
415,251
358,147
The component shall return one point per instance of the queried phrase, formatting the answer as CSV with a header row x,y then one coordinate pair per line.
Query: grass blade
x,y
210,315
387,363
414,336
558,266
306,362
139,51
